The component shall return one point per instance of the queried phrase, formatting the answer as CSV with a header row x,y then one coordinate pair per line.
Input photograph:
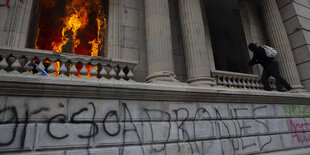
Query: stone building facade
x,y
168,77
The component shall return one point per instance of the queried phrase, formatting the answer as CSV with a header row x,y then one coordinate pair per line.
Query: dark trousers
x,y
273,70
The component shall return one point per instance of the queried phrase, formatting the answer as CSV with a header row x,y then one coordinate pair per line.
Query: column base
x,y
202,82
162,77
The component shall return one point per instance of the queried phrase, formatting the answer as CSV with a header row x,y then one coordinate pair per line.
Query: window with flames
x,y
73,26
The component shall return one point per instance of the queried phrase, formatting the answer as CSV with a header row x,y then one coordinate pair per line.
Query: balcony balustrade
x,y
239,80
23,62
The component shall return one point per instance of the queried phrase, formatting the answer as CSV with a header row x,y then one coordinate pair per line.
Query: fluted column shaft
x,y
159,43
195,47
114,30
279,40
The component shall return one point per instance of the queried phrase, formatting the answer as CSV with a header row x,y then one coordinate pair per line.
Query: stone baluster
x,y
103,73
121,73
3,64
279,40
41,68
16,66
130,74
239,83
62,69
225,82
218,80
158,41
73,69
23,64
112,72
28,68
244,82
93,72
230,84
83,70
235,84
52,69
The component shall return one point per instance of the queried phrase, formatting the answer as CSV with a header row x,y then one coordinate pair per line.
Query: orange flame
x,y
81,17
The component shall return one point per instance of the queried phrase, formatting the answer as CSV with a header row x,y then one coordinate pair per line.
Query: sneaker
x,y
292,91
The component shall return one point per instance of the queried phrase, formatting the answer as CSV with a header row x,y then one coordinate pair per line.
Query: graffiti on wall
x,y
178,125
186,128
298,128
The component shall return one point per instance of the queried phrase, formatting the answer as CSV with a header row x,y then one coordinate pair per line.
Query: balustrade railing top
x,y
239,80
31,62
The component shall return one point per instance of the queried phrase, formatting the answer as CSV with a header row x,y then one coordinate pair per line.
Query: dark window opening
x,y
227,36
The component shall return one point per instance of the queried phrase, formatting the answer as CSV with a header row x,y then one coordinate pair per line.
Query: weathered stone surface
x,y
302,53
280,110
255,127
65,135
141,110
287,11
94,109
303,67
12,138
282,3
277,126
228,146
2,105
116,134
102,151
240,110
38,109
180,110
263,110
194,148
162,132
200,130
130,17
230,128
290,140
213,111
248,145
270,143
41,153
296,124
212,147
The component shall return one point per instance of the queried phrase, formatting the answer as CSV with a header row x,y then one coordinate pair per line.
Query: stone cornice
x,y
107,89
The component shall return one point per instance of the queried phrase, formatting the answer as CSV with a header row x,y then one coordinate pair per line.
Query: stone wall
x,y
296,17
133,44
53,125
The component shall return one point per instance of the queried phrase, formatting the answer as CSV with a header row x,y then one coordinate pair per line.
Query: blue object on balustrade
x,y
43,73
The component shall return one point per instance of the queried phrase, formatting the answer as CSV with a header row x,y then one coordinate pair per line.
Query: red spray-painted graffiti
x,y
299,132
7,3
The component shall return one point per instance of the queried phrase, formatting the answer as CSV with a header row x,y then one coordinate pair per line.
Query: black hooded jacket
x,y
259,56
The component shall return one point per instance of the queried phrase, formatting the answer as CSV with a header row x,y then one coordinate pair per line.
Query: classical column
x,y
159,43
195,47
279,40
114,29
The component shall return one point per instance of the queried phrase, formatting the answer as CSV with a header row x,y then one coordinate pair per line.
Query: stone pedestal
x,y
197,59
159,43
